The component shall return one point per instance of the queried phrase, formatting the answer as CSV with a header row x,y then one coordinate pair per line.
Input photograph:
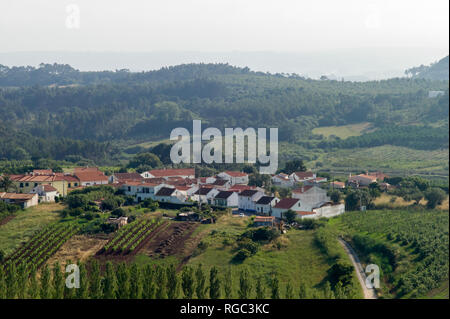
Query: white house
x,y
166,173
226,199
141,191
310,196
361,180
329,210
170,195
315,181
23,200
46,193
247,199
234,177
125,177
265,203
221,184
284,205
89,176
301,177
282,180
205,195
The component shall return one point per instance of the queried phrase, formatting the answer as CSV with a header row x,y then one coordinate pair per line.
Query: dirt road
x,y
368,293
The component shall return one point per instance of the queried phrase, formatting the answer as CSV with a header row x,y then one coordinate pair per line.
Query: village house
x,y
265,203
23,200
46,193
234,177
284,205
266,221
170,195
247,199
282,180
187,191
89,176
118,222
205,195
361,180
125,177
337,185
328,210
310,196
221,184
166,173
141,191
314,181
25,183
226,199
301,177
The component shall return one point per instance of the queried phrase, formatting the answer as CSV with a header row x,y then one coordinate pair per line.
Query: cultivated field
x,y
343,131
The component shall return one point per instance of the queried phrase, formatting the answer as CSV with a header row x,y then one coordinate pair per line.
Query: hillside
x,y
436,71
57,112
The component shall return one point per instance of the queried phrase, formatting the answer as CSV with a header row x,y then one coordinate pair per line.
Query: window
x,y
129,188
26,184
75,184
21,185
69,185
35,184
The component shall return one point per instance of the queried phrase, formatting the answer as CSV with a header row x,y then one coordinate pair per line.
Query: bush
x,y
118,212
261,234
249,245
242,255
434,196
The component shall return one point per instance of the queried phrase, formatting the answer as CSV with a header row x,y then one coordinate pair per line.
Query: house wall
x,y
330,210
312,197
249,203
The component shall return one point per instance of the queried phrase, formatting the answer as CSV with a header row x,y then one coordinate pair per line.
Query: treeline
x,y
416,137
131,281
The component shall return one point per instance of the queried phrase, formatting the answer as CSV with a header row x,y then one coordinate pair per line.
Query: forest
x,y
57,112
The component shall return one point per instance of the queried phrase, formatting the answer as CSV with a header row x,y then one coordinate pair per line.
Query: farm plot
x,y
41,246
130,238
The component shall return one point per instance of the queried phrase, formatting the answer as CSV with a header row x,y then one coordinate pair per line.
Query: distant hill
x,y
436,71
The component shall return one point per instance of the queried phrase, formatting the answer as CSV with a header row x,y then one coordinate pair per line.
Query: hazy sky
x,y
221,25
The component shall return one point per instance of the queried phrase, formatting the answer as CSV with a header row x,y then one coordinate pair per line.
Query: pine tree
x,y
135,282
303,291
328,292
33,286
228,284
83,291
289,291
260,288
275,287
214,283
172,282
22,280
245,284
339,291
2,283
123,281
187,282
148,284
200,288
161,283
45,283
109,282
58,282
95,287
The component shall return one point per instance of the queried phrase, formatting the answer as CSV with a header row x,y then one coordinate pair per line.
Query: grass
x,y
343,131
298,260
25,224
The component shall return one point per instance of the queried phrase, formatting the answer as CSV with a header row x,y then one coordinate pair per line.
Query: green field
x,y
409,246
294,257
343,131
25,224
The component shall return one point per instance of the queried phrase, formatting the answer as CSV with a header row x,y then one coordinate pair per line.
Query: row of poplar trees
x,y
123,281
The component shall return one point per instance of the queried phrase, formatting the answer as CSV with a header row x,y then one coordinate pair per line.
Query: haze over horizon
x,y
352,39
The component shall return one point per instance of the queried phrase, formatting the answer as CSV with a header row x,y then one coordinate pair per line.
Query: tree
x,y
110,282
6,183
144,160
260,288
214,283
161,283
200,288
172,282
123,281
295,165
275,287
335,196
339,291
148,291
58,282
245,284
187,282
290,216
303,291
289,291
45,283
228,284
435,197
95,280
328,292
83,291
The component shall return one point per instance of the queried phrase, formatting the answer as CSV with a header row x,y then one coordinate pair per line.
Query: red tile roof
x,y
305,213
302,190
304,174
90,176
236,174
264,219
49,188
286,203
172,172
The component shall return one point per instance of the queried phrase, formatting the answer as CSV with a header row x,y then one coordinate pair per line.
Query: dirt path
x,y
368,293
